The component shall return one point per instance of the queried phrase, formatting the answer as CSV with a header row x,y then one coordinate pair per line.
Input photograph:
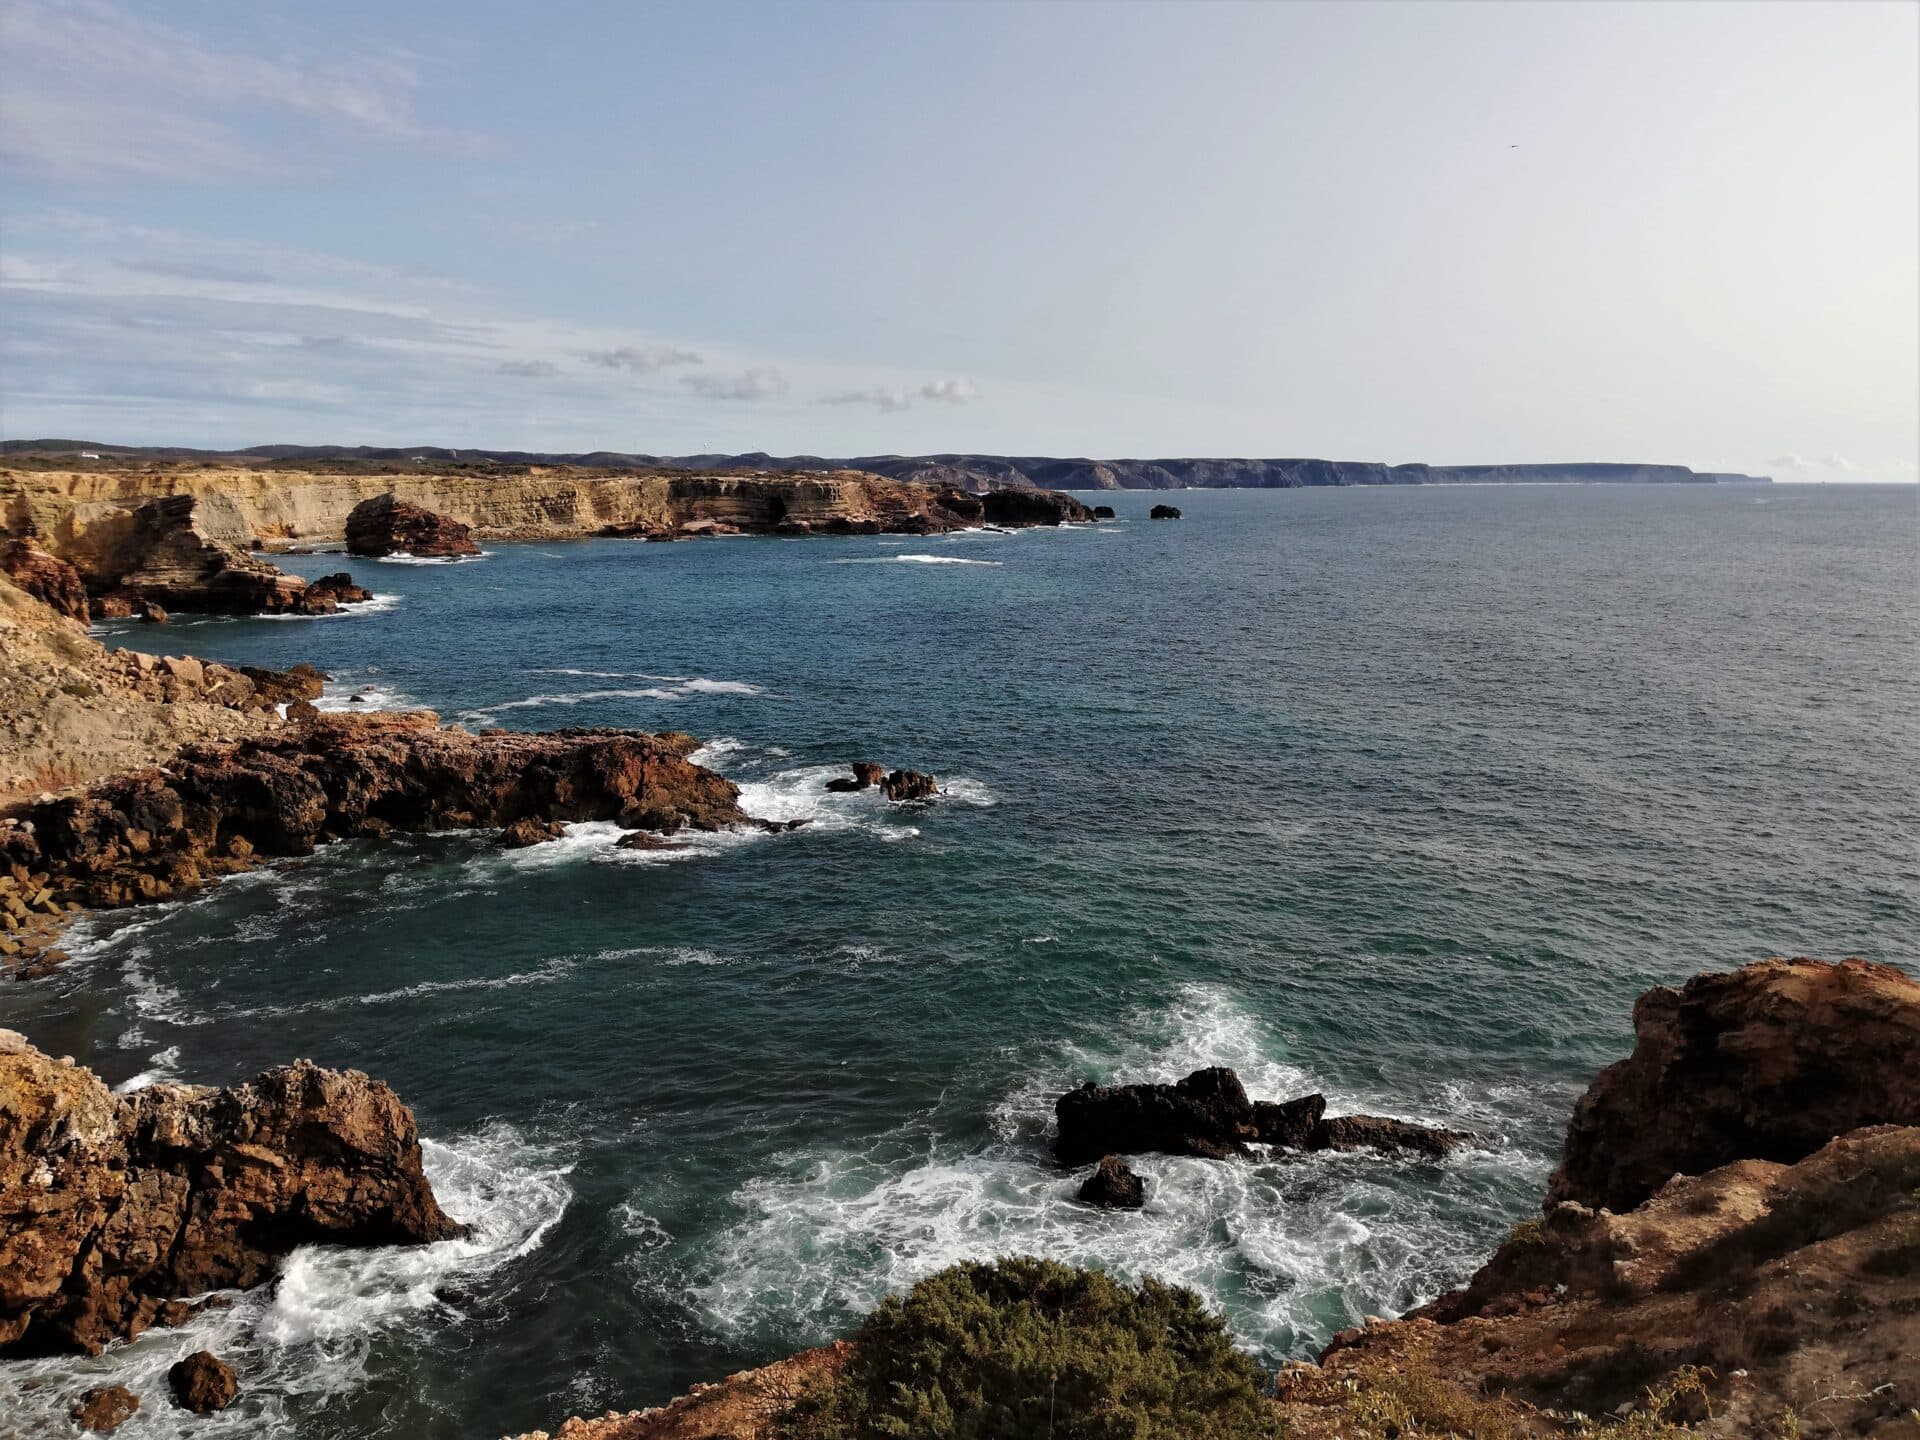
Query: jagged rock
x,y
152,834
105,1408
50,580
203,1383
1113,1186
530,830
330,592
281,687
387,525
1768,1062
1031,507
113,1207
865,776
1103,512
1209,1115
909,785
151,614
647,840
1164,512
167,557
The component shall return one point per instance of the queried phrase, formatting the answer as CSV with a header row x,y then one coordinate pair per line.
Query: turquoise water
x,y
1401,794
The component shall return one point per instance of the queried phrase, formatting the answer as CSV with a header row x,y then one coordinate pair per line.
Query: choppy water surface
x,y
1400,794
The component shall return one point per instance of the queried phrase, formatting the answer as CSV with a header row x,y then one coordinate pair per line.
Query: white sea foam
x,y
681,689
913,560
339,695
161,1066
380,604
311,1334
401,557
1280,1245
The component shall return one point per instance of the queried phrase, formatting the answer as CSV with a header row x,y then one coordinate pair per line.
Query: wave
x,y
1289,1250
356,697
680,690
380,604
914,560
401,557
311,1337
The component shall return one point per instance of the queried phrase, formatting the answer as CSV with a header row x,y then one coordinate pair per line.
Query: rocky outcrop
x,y
202,1383
743,1406
1113,1186
902,785
1164,512
1769,1062
51,581
388,525
531,830
1209,1115
865,776
1031,507
218,808
116,1209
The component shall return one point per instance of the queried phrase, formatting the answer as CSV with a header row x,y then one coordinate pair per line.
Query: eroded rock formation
x,y
1209,1115
388,525
1113,1186
1164,512
51,581
114,1209
217,807
909,785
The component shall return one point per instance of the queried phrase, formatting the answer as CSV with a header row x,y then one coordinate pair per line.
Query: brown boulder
x,y
1113,1186
105,1408
1768,1062
388,525
529,830
865,776
909,785
203,1383
114,1206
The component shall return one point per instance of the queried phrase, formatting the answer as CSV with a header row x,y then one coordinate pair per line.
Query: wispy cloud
x,y
93,92
641,359
759,383
528,369
1835,463
957,391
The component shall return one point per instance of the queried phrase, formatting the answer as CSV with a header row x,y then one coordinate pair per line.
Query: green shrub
x,y
1030,1348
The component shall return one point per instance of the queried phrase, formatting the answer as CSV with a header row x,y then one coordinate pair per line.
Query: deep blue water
x,y
1402,794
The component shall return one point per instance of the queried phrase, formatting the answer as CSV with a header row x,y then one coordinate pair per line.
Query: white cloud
x,y
641,359
95,93
758,383
957,391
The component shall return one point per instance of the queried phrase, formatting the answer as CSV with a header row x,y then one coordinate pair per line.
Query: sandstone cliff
x,y
116,1210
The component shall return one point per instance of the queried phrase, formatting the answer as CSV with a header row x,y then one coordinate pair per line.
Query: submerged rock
x,y
388,525
203,1383
1209,1115
1113,1186
105,1408
114,1207
1768,1062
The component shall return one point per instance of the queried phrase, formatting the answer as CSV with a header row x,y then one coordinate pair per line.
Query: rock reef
x,y
1209,1115
115,1210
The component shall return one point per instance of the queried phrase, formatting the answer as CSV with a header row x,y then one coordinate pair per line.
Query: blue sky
x,y
1400,232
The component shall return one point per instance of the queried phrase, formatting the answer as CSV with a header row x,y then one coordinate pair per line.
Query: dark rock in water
x,y
178,1190
105,1408
1768,1062
152,614
1292,1123
388,525
1103,512
530,830
865,775
203,1383
647,840
1209,1115
1031,507
330,592
1376,1132
910,785
1114,1186
1164,512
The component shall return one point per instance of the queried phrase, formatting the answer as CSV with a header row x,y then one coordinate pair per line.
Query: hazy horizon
x,y
1457,234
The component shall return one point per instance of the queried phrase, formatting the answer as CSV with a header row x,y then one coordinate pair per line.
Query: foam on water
x,y
380,604
913,560
1289,1249
401,557
308,1337
681,689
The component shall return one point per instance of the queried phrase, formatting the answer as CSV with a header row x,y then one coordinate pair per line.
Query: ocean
x,y
1400,794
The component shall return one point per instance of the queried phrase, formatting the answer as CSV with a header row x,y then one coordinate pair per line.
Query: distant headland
x,y
964,471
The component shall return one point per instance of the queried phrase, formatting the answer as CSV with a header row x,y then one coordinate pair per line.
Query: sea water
x,y
1397,794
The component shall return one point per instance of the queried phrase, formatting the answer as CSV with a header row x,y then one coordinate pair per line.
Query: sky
x,y
1456,233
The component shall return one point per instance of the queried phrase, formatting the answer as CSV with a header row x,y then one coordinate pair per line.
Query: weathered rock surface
x,y
865,776
114,1208
1031,507
1209,1115
1769,1062
105,1408
388,525
202,1383
219,807
1113,1186
530,830
51,581
743,1406
909,785
1164,512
